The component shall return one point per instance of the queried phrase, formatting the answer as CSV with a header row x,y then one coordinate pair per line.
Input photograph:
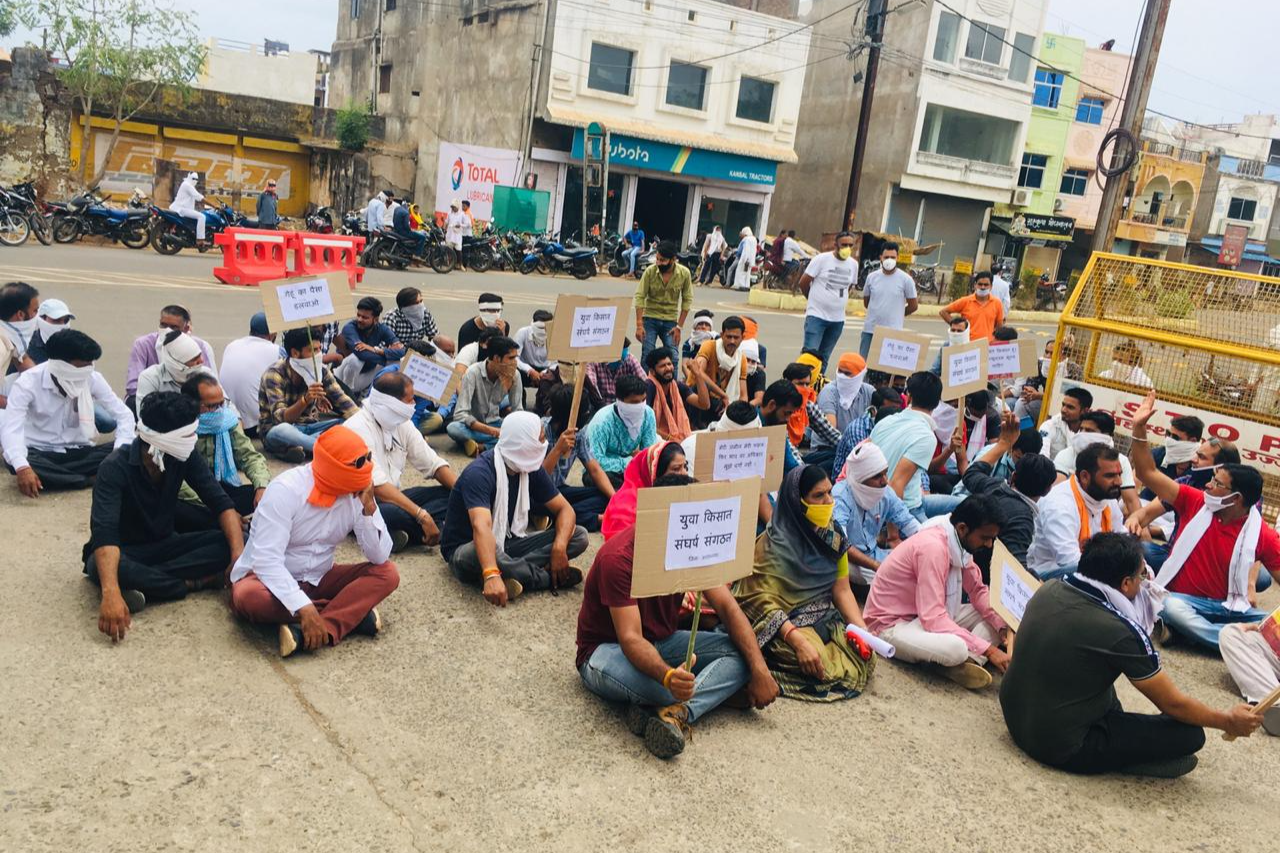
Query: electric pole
x,y
875,33
1146,52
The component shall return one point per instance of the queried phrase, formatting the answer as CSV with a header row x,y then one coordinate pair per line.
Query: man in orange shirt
x,y
984,313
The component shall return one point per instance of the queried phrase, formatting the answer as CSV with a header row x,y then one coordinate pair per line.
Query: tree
x,y
353,127
116,55
8,17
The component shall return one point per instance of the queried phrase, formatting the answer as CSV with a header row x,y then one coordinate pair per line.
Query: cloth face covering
x,y
48,330
1177,452
389,412
632,415
733,364
864,462
75,384
538,333
304,368
175,355
335,450
1082,440
177,443
20,332
519,448
220,424
416,313
490,313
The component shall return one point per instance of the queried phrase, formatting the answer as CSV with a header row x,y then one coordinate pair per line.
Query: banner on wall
x,y
471,172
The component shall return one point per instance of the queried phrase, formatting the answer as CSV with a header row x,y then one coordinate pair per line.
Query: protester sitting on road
x,y
1057,431
532,341
48,430
864,505
823,437
488,316
757,380
412,321
1028,441
52,316
631,650
647,466
19,305
566,445
243,363
478,350
221,442
724,365
671,400
739,415
798,598
133,552
1075,509
604,375
703,331
146,350
489,390
1254,666
287,575
487,539
1177,455
620,430
844,400
180,359
859,429
373,346
1212,569
295,405
1077,637
1158,518
908,442
1098,427
915,602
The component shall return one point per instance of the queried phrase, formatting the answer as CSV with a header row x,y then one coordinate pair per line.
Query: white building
x,y
267,71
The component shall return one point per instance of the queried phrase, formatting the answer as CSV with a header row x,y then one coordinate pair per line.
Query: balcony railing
x,y
1178,223
927,158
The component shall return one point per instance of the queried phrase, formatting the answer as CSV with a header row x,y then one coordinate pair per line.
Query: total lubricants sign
x,y
470,172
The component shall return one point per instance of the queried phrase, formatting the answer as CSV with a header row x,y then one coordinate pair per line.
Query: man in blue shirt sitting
x,y
372,344
403,226
635,240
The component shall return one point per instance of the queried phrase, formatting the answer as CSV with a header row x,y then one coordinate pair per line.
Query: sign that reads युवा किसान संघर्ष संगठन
x,y
963,368
593,327
702,533
304,300
737,458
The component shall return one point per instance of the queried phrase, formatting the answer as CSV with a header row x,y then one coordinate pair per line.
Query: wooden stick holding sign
x,y
1270,631
306,301
586,329
1267,701
898,352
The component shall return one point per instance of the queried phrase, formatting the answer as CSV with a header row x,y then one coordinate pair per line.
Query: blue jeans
x,y
1201,619
103,422
719,673
1055,574
936,505
461,433
655,329
631,255
821,336
864,345
283,436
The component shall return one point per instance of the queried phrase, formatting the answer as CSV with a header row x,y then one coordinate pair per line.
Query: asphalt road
x,y
465,728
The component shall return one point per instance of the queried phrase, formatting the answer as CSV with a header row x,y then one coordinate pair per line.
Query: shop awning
x,y
647,130
1253,250
683,160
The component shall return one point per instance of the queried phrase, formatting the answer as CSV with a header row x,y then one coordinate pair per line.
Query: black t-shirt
x,y
1071,648
470,332
756,383
475,488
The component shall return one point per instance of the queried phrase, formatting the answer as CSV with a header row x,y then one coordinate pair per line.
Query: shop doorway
x,y
571,212
731,216
660,208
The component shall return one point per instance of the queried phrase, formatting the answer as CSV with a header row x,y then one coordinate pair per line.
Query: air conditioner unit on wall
x,y
1021,198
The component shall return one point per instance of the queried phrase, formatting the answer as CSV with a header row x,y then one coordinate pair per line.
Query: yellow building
x,y
1161,201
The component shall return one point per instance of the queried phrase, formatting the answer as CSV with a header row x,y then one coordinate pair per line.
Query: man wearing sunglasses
x,y
287,575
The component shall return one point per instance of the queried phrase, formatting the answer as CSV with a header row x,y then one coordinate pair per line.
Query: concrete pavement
x,y
465,728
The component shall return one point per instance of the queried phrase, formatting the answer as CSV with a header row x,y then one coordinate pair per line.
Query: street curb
x,y
789,302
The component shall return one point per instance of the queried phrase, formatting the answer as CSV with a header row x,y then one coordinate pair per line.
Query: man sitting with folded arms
x,y
672,400
631,650
1098,427
385,423
48,430
1077,636
295,405
569,444
488,391
1212,569
221,442
287,575
373,346
487,539
1074,510
621,429
916,603
133,553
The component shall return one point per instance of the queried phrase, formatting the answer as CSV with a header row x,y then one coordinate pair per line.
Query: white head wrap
x,y
75,381
520,447
177,443
175,355
389,413
864,462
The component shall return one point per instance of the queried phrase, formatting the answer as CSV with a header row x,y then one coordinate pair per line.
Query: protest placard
x,y
1011,586
898,352
588,328
432,380
1011,359
707,532
294,303
964,369
741,453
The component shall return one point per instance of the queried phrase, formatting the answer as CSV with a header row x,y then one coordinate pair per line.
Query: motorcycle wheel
x,y
544,266
165,242
479,261
14,229
66,230
41,227
615,270
137,236
583,270
368,258
527,267
442,259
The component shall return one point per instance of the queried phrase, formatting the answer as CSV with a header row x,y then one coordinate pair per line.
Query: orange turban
x,y
335,450
853,363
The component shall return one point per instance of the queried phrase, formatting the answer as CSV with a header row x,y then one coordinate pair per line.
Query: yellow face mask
x,y
819,514
845,252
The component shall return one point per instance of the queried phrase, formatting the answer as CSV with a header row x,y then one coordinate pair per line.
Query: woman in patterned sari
x,y
799,599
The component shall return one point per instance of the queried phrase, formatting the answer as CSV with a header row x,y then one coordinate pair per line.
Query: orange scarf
x,y
799,421
335,450
669,412
1085,532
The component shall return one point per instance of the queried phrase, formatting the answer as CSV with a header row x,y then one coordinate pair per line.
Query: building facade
x,y
1239,195
1164,190
269,70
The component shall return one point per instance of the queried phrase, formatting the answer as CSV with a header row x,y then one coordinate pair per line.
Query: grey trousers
x,y
525,559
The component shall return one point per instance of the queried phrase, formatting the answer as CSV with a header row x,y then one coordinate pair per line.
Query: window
x,y
944,46
1024,48
610,69
1074,182
755,99
686,85
1270,270
384,78
1048,88
986,42
1089,110
391,5
1031,175
1242,209
1274,155
968,136
355,8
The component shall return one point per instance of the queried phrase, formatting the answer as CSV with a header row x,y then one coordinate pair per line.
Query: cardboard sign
x,y
898,352
740,454
1270,630
708,531
431,379
1011,586
1011,359
295,303
962,266
964,369
588,328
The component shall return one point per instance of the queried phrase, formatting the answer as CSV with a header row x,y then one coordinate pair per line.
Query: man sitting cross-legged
x,y
48,430
629,650
221,442
133,552
287,575
487,538
413,515
295,404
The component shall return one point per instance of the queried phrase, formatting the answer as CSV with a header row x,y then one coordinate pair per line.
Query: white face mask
x,y
982,292
957,338
490,318
538,332
1217,503
867,497
20,332
847,386
48,330
417,313
888,264
388,411
1082,440
304,368
1044,367
1178,452
632,415
700,335
752,367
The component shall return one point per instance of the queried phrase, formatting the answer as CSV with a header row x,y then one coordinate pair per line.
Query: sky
x,y
1216,63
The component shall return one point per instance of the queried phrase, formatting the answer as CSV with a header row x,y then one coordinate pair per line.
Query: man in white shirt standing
x,y
287,565
1000,289
889,296
746,259
49,433
243,363
455,226
712,246
1086,503
826,283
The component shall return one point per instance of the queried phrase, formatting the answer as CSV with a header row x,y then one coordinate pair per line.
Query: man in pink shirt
x,y
915,600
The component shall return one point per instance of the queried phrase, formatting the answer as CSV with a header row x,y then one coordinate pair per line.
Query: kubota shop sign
x,y
678,160
470,172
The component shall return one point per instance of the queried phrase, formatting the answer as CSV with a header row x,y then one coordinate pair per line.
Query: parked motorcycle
x,y
1049,292
321,221
172,232
479,254
548,256
89,215
23,198
388,250
353,225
